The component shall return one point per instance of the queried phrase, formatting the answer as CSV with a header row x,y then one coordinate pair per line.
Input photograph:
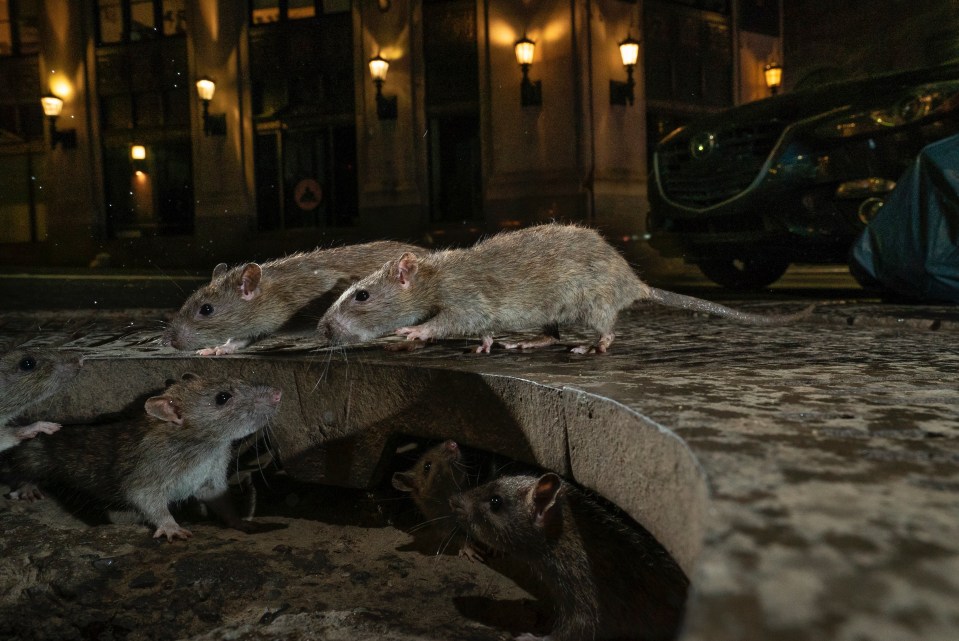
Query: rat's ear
x,y
545,508
405,269
189,376
164,408
404,482
219,270
250,281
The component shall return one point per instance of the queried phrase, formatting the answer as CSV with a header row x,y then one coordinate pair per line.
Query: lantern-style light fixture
x,y
622,93
773,73
138,152
52,106
213,124
530,91
385,105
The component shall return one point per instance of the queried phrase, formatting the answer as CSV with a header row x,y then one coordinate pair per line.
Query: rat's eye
x,y
206,309
223,397
427,466
495,503
27,364
361,295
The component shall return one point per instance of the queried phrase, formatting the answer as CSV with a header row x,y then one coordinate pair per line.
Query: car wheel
x,y
744,273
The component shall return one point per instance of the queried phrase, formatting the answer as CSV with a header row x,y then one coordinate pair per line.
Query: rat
x,y
607,579
545,276
180,447
28,376
435,477
247,302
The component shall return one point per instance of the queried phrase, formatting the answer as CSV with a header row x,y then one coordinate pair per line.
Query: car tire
x,y
744,273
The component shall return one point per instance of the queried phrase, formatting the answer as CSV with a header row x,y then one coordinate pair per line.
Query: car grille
x,y
737,156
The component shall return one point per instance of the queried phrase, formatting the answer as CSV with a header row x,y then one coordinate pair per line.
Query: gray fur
x,y
285,286
608,580
181,447
546,276
22,387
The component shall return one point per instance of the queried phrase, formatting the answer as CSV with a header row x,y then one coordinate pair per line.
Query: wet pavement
x,y
829,449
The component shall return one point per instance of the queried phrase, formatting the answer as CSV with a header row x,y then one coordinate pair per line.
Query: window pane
x,y
111,21
15,199
336,6
142,20
116,112
265,11
149,109
6,33
29,27
174,17
301,9
6,39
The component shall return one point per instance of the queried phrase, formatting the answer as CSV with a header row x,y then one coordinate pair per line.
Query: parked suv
x,y
793,178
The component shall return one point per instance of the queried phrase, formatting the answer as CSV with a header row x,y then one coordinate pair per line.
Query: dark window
x,y
153,196
144,84
452,109
270,11
310,174
134,20
716,6
144,95
689,61
22,211
21,116
19,27
760,16
301,67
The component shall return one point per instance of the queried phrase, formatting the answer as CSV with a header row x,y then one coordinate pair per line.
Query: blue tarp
x,y
911,247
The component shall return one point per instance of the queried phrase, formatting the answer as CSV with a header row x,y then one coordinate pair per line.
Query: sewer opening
x,y
417,478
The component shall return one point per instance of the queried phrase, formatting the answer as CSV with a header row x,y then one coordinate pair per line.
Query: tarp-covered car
x,y
793,178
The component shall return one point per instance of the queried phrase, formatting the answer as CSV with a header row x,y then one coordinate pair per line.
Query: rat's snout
x,y
451,445
275,396
456,504
170,339
326,330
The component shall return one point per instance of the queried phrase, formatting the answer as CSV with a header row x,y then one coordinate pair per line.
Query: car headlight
x,y
921,103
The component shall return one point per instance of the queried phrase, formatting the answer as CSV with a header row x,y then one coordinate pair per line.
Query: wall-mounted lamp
x,y
385,105
52,106
138,152
773,72
621,93
530,92
213,124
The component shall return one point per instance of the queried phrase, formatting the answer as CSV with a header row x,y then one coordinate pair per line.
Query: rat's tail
x,y
672,299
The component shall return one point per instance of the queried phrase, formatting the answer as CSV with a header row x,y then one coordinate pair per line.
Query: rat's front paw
x,y
40,427
220,350
470,553
172,531
27,492
415,333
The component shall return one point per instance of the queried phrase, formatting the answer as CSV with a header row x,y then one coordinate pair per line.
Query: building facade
x,y
300,146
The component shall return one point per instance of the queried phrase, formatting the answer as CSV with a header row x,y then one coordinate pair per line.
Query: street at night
x,y
425,320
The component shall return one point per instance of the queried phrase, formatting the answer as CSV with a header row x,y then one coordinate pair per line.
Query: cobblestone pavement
x,y
830,449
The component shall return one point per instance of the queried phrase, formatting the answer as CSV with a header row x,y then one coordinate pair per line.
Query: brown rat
x,y
247,302
608,580
180,448
28,376
545,276
436,476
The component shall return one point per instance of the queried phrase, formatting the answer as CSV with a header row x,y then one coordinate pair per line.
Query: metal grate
x,y
732,165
